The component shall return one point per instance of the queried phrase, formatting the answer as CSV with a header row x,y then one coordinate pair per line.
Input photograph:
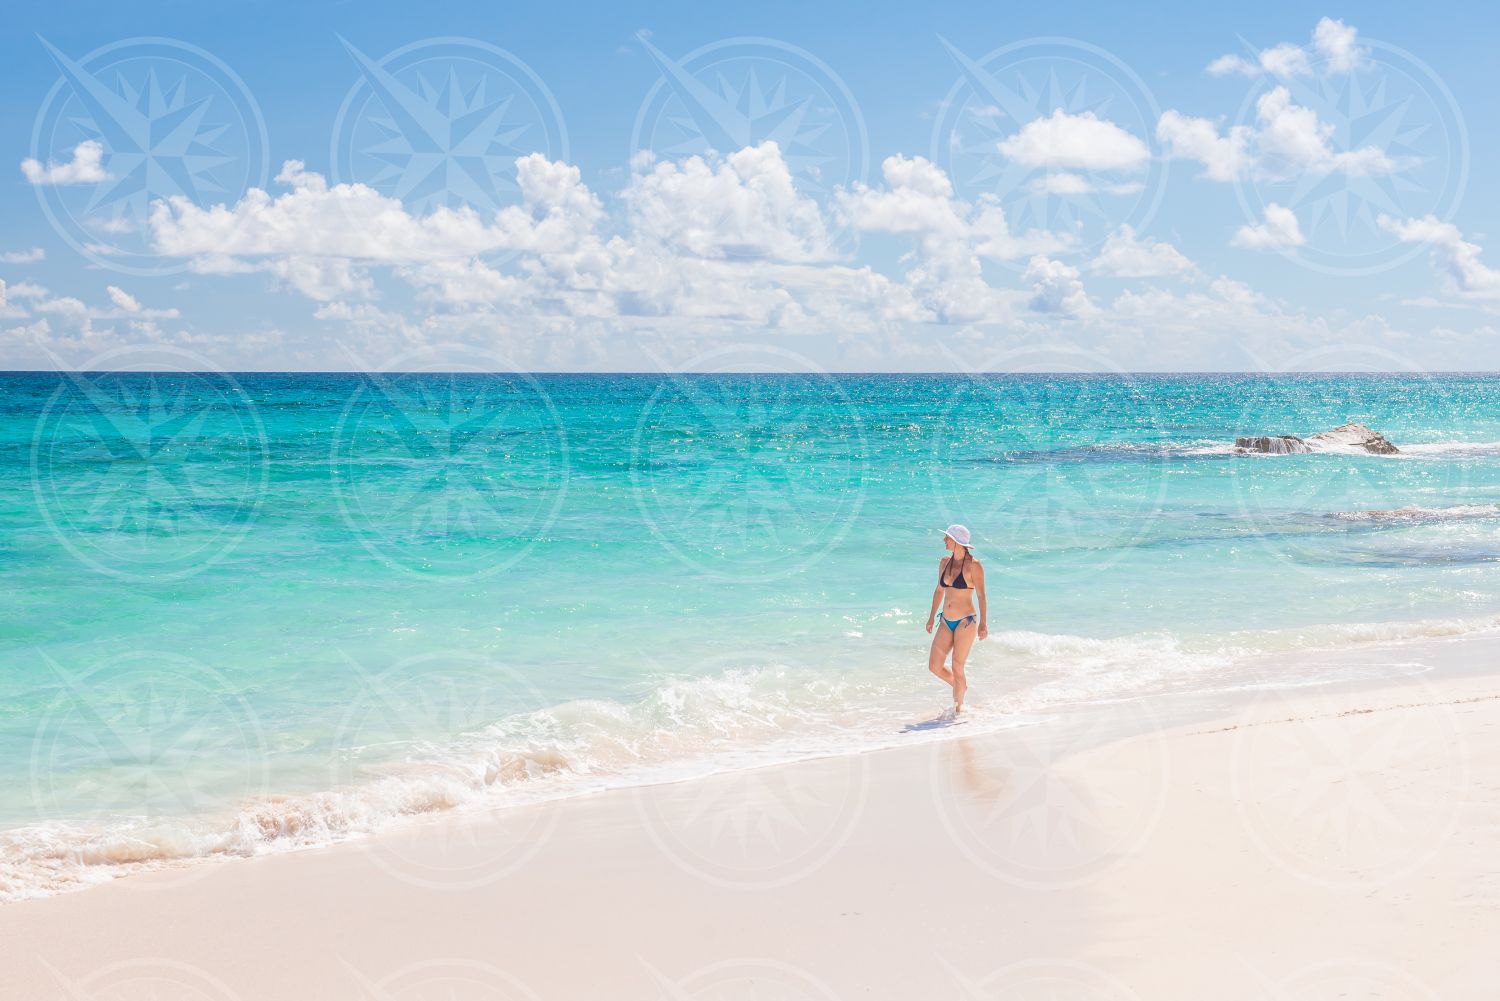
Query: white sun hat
x,y
958,534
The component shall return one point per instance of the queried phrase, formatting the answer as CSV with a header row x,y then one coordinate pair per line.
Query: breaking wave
x,y
683,728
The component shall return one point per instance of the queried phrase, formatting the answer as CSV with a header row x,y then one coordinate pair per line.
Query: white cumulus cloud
x,y
1287,139
1455,257
689,250
1124,255
1224,158
951,237
1056,288
1280,229
1231,63
1082,142
743,206
123,300
1285,59
1335,49
68,324
1292,138
86,167
1337,42
1063,184
355,221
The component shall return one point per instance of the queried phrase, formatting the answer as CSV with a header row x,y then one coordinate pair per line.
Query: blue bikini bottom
x,y
953,624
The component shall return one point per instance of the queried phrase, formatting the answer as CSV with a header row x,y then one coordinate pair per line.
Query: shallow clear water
x,y
258,611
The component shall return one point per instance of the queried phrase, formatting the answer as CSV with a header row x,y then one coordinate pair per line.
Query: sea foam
x,y
681,729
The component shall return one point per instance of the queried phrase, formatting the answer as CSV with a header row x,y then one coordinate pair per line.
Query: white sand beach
x,y
1324,842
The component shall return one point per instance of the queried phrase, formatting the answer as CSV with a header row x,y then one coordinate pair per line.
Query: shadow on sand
x,y
939,722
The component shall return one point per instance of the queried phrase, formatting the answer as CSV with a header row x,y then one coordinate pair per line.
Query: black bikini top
x,y
958,581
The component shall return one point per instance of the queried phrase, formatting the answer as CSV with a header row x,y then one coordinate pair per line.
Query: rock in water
x,y
1345,436
1357,436
1275,444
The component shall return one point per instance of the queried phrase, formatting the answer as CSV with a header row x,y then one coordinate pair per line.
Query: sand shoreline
x,y
1315,840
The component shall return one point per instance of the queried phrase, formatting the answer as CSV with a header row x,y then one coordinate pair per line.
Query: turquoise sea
x,y
256,612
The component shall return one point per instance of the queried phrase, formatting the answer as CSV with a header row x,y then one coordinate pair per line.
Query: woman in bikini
x,y
960,580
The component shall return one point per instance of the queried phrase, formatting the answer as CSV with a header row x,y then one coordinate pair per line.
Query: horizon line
x,y
643,372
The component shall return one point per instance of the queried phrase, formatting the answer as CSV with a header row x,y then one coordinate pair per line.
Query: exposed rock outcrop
x,y
1276,444
1356,437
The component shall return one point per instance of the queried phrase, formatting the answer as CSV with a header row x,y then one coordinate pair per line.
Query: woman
x,y
960,580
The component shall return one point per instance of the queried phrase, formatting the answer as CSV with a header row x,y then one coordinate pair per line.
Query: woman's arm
x,y
937,595
984,608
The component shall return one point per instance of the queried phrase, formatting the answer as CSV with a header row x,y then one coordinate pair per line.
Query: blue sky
x,y
1122,196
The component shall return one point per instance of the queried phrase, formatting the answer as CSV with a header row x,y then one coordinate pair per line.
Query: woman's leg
x,y
942,642
963,642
